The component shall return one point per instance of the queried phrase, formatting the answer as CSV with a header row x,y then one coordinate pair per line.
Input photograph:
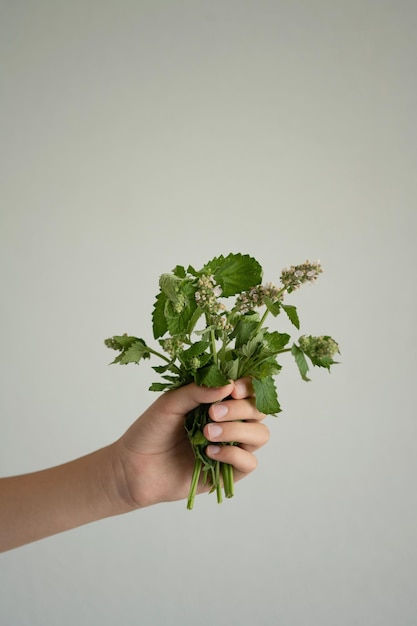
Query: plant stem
x,y
228,483
194,483
261,321
213,346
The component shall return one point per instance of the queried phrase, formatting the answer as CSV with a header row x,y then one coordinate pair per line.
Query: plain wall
x,y
138,135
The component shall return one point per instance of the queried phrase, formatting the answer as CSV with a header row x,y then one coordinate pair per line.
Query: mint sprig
x,y
203,341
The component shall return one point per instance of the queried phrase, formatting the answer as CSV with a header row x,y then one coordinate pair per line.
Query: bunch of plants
x,y
209,327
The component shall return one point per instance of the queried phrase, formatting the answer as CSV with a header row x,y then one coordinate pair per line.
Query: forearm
x,y
40,504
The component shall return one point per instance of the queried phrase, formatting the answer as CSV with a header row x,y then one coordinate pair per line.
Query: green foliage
x,y
233,342
234,273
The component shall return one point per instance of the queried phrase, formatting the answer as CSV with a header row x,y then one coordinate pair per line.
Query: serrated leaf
x,y
244,329
273,307
137,351
181,320
301,361
179,271
253,346
122,342
159,323
322,361
291,311
159,387
266,396
196,349
210,376
232,369
276,341
234,273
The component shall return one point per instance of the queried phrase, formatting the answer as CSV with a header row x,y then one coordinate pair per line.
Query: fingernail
x,y
213,450
240,390
214,430
219,410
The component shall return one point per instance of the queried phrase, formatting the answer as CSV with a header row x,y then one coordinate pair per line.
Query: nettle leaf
x,y
210,376
179,271
170,286
159,387
268,368
276,341
273,307
196,349
253,346
244,329
266,396
232,369
137,351
179,321
322,361
301,361
121,342
234,273
159,323
291,311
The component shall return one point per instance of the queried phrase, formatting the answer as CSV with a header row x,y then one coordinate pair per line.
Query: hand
x,y
154,457
152,462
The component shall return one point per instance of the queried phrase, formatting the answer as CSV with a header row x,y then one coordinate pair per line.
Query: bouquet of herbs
x,y
202,340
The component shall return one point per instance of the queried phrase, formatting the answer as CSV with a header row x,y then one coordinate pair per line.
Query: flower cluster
x,y
318,347
172,345
206,296
296,275
256,297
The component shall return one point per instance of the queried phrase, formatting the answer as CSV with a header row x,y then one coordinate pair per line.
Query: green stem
x,y
218,483
228,483
194,483
161,356
261,321
213,346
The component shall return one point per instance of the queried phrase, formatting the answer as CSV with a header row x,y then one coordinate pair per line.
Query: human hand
x,y
154,459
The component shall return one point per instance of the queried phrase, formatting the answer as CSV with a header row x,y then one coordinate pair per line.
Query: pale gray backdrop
x,y
140,135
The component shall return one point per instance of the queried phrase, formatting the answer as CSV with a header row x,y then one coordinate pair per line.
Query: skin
x,y
151,463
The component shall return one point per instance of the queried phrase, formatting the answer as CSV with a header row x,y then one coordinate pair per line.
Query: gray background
x,y
140,135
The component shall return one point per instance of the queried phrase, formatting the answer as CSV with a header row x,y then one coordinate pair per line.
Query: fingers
x,y
231,410
179,402
242,460
250,435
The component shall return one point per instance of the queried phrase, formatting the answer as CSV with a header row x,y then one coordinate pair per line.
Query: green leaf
x,y
170,286
273,307
179,271
276,341
253,346
301,361
196,349
137,351
244,329
267,368
266,396
291,311
210,376
234,273
232,369
121,342
159,387
159,323
179,322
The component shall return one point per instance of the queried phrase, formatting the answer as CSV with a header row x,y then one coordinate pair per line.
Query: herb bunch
x,y
203,341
